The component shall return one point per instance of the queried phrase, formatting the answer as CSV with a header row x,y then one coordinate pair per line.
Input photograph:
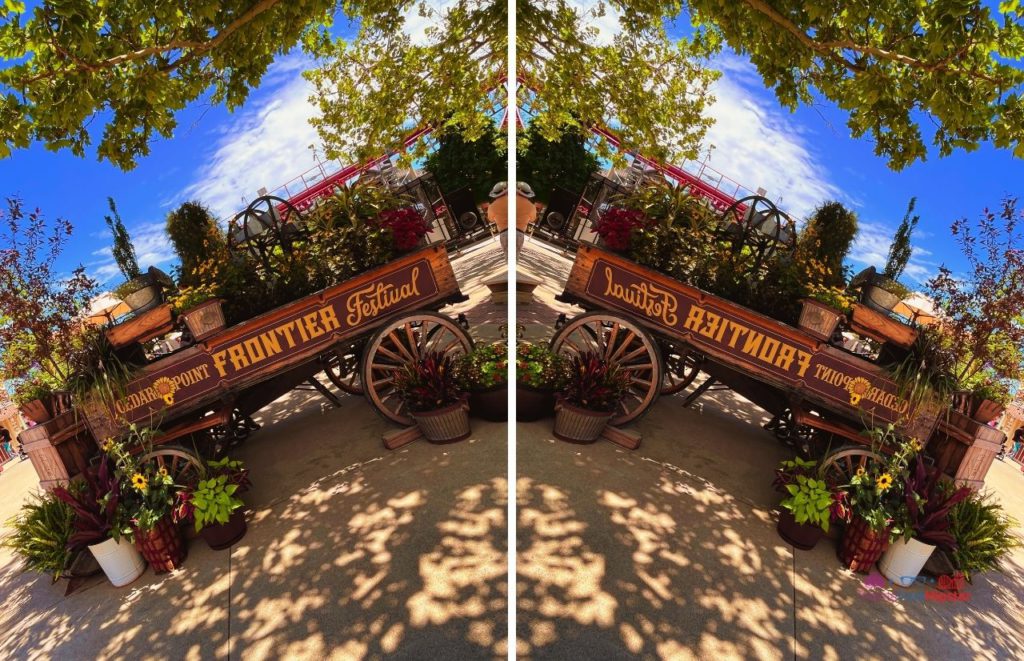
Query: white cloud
x,y
756,145
871,248
152,248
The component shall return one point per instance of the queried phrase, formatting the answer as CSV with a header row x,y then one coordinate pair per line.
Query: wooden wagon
x,y
359,331
663,332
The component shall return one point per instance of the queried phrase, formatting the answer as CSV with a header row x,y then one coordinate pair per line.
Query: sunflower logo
x,y
884,482
165,388
857,388
139,481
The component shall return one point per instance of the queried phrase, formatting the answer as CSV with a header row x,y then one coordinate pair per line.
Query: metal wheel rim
x,y
398,342
622,342
682,365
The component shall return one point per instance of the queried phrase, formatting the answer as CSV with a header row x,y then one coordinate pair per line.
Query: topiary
x,y
829,235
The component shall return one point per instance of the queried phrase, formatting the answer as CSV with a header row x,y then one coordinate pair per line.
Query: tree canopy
x,y
478,164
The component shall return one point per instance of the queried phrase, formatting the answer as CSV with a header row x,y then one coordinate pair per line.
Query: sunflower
x,y
163,471
107,444
884,482
916,445
861,472
139,481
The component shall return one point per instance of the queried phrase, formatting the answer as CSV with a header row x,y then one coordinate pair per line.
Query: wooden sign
x,y
258,348
765,348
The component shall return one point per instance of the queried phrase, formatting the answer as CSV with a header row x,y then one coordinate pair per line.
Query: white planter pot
x,y
902,561
120,561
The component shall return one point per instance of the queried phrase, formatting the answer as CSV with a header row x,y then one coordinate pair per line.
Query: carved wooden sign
x,y
742,338
280,338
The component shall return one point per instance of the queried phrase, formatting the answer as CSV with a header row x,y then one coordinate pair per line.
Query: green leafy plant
x,y
484,368
983,532
36,386
194,233
810,501
147,489
834,297
123,249
98,506
987,386
212,501
40,533
537,366
829,235
925,373
900,250
875,491
430,383
789,469
593,383
233,469
545,164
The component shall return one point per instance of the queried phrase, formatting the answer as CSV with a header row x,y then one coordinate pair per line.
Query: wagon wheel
x,y
342,368
184,467
682,365
841,465
398,342
622,342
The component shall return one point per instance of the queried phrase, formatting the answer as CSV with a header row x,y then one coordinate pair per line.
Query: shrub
x,y
429,384
483,368
40,534
539,367
983,532
594,384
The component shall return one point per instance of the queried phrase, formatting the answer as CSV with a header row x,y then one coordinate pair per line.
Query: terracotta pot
x,y
803,536
490,404
163,546
220,536
37,411
204,319
445,425
819,319
977,408
533,404
579,425
861,547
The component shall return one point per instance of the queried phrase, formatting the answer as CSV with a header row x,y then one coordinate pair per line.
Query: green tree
x,y
459,162
829,235
123,249
132,64
196,238
565,163
893,66
900,251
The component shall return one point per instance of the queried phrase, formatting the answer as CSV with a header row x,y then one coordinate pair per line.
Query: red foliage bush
x,y
407,227
616,226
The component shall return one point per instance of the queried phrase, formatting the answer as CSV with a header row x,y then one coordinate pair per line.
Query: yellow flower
x,y
861,472
139,481
884,482
107,444
163,471
916,445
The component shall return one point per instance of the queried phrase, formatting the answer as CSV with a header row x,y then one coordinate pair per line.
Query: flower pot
x,y
879,298
163,546
220,536
903,561
490,404
861,547
36,411
445,425
579,425
142,293
803,536
819,319
204,319
120,561
533,404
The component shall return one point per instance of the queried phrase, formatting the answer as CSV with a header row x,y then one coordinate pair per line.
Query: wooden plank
x,y
881,328
626,438
396,438
141,328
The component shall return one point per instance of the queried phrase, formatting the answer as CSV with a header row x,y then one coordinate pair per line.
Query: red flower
x,y
616,227
407,227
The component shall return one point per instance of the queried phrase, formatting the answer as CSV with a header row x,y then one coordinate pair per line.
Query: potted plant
x,y
102,524
483,372
215,509
433,397
822,310
984,398
810,504
141,292
39,535
539,373
983,533
201,311
876,497
233,469
883,291
924,525
35,399
148,495
592,392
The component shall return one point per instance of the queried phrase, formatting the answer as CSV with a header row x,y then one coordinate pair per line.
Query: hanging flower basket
x,y
819,319
445,425
162,546
204,319
861,547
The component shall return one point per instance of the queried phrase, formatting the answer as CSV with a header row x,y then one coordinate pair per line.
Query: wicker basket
x,y
445,425
819,319
204,319
861,547
163,546
578,425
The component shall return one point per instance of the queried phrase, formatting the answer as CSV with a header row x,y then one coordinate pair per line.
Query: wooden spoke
x,y
184,467
398,342
341,366
622,342
682,365
841,465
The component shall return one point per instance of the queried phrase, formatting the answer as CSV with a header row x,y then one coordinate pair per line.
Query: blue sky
x,y
801,159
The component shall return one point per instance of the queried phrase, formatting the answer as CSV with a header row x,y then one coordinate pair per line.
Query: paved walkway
x,y
670,551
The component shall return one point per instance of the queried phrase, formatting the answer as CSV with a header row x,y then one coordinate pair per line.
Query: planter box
x,y
819,319
881,327
142,327
579,425
445,425
204,319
